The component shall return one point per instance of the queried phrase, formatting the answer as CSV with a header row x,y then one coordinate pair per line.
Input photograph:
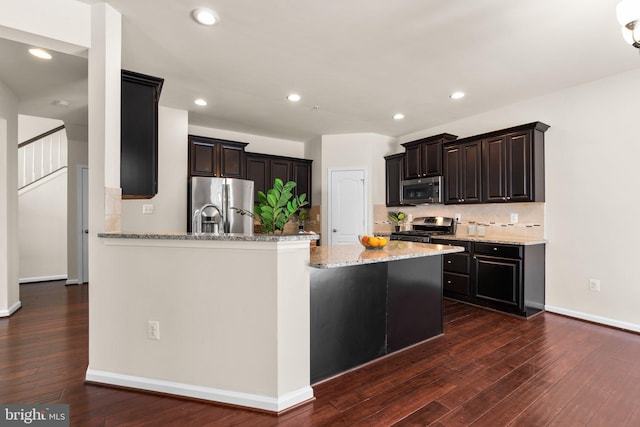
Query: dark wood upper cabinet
x,y
394,172
263,169
462,173
211,157
513,164
139,135
423,157
301,174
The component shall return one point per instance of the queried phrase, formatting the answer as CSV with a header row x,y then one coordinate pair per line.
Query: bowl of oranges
x,y
373,242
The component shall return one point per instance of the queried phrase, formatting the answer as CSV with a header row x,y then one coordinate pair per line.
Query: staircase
x,y
42,156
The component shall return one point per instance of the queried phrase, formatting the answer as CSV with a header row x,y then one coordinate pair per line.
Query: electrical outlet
x,y
514,218
153,330
594,285
147,209
458,217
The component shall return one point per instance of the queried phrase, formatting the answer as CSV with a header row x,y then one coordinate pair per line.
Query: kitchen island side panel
x,y
414,301
348,317
361,312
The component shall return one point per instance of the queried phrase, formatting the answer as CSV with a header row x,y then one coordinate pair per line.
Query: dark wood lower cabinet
x,y
503,277
499,281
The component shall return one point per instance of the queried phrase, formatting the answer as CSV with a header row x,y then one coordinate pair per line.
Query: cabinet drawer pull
x,y
495,249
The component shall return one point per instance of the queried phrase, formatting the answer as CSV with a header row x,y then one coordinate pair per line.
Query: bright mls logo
x,y
34,415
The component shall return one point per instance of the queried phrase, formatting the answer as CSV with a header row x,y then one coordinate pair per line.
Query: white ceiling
x,y
358,61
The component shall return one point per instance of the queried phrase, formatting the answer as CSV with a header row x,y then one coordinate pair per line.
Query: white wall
x,y
9,289
359,150
313,151
61,25
591,159
257,143
42,229
32,126
170,204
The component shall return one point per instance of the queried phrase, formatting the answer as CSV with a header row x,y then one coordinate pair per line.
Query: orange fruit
x,y
374,242
382,241
364,240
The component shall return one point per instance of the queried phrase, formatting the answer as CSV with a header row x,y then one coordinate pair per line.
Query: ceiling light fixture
x,y
61,103
201,102
628,13
294,97
204,16
40,53
398,116
457,95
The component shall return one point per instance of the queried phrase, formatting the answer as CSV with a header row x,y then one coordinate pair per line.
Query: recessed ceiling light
x,y
40,53
61,103
294,97
204,16
398,116
457,95
201,102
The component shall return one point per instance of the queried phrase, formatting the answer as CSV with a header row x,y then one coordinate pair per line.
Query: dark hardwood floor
x,y
489,369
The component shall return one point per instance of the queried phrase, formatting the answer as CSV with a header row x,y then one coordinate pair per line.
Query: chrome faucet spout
x,y
199,214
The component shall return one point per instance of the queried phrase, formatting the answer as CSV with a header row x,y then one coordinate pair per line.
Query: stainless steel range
x,y
425,227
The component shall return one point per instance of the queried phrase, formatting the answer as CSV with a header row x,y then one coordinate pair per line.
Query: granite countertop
x,y
506,240
346,255
210,236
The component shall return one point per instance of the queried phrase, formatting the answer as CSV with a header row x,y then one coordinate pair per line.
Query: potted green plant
x,y
274,209
301,216
396,218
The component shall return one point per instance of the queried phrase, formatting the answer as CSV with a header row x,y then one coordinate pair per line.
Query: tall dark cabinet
x,y
394,173
139,135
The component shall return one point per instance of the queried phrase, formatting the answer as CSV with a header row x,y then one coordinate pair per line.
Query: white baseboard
x,y
43,279
593,318
206,393
72,282
11,310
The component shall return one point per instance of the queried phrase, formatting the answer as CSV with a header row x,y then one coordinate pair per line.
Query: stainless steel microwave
x,y
422,190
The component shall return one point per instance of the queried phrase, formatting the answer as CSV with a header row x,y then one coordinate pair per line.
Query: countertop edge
x,y
211,237
493,239
447,250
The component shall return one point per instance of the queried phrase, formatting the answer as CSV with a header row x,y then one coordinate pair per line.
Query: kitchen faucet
x,y
196,221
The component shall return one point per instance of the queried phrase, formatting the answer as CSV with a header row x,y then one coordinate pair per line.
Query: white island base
x,y
233,317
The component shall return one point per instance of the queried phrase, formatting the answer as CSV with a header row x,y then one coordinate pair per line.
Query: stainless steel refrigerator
x,y
214,202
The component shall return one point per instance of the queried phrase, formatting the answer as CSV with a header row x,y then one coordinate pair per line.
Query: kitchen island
x,y
225,318
368,303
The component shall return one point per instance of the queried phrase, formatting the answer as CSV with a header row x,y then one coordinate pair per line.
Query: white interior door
x,y
347,205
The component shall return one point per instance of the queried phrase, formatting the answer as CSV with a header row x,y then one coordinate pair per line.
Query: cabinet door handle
x,y
448,282
495,249
449,262
508,198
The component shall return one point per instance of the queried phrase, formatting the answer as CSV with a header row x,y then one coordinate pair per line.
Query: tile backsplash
x,y
496,216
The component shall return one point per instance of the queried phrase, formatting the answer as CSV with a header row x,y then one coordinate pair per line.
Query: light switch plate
x,y
514,218
147,209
